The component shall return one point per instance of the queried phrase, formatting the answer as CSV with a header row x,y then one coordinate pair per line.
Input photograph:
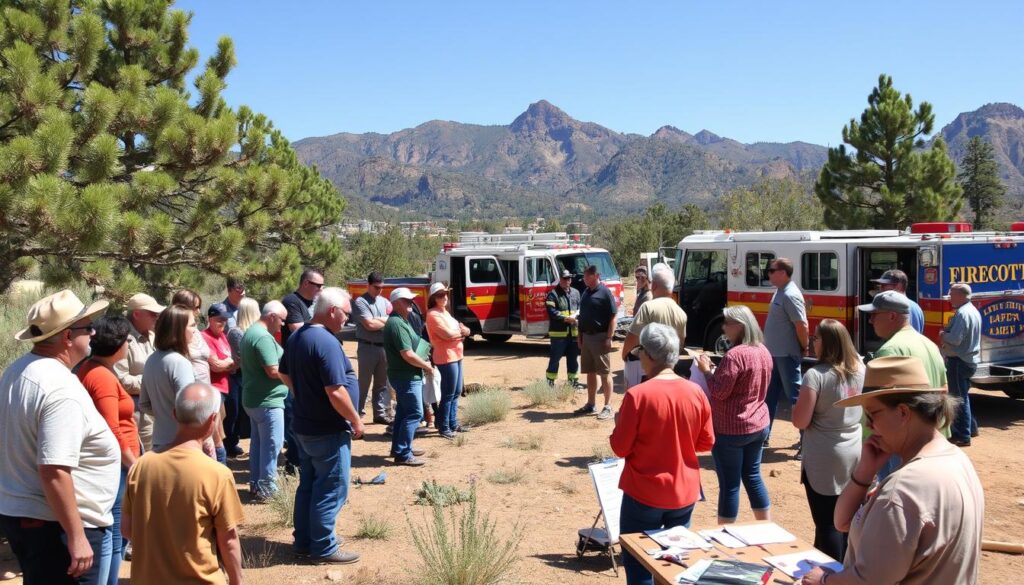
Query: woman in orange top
x,y
446,335
109,346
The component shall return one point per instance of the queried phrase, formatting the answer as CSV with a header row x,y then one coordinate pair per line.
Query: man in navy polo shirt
x,y
325,421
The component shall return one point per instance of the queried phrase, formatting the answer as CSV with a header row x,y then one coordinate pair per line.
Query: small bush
x,y
524,443
506,476
464,548
540,393
460,440
258,557
488,405
373,528
282,503
432,493
601,451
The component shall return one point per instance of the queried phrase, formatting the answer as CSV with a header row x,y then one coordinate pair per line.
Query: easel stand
x,y
596,539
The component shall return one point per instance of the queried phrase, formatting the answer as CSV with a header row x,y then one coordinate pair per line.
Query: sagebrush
x,y
541,393
282,503
489,405
464,548
432,493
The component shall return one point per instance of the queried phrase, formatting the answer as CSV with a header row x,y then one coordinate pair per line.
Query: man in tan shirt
x,y
180,507
142,312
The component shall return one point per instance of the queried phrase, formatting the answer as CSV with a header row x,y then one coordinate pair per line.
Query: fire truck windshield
x,y
576,263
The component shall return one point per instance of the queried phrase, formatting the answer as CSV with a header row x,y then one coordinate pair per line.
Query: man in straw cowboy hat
x,y
922,525
60,470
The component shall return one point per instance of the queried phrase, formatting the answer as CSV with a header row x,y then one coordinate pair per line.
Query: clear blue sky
x,y
751,70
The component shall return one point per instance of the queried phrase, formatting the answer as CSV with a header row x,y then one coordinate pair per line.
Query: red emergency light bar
x,y
450,245
1017,226
941,227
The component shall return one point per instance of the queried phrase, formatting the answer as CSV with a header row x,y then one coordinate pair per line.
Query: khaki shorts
x,y
593,358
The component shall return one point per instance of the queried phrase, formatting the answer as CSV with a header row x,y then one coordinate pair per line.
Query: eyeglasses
x,y
87,328
316,284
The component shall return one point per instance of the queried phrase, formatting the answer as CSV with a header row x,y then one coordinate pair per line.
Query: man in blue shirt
x,y
596,325
324,423
897,280
961,345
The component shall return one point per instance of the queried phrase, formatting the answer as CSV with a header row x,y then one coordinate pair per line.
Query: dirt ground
x,y
556,496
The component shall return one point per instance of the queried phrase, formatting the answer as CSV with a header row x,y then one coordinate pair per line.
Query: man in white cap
x,y
60,468
142,311
407,360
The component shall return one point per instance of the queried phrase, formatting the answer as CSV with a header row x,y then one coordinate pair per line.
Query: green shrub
x,y
540,393
282,503
601,451
464,548
487,406
506,476
432,493
373,528
529,442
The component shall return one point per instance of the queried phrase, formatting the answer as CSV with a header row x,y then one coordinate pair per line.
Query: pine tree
x,y
979,177
889,180
113,173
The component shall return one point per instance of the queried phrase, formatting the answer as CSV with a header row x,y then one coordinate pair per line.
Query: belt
x,y
370,342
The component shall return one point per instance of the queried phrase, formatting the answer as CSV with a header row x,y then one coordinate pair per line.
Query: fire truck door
x,y
487,292
871,264
538,279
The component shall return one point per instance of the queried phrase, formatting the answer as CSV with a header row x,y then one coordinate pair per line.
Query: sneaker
x,y
578,386
382,421
461,429
605,414
960,442
128,552
235,452
339,557
415,453
447,434
412,461
585,410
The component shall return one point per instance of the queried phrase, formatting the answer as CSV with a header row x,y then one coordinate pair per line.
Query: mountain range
x,y
547,163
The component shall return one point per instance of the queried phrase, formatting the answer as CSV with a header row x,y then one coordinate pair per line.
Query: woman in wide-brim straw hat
x,y
922,524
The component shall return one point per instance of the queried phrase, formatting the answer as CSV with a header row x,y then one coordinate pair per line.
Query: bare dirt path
x,y
555,496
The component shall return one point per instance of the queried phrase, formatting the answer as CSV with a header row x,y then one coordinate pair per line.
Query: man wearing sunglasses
x,y
785,335
370,314
299,305
61,463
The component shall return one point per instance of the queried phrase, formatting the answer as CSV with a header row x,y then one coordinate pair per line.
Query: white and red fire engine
x,y
834,270
499,281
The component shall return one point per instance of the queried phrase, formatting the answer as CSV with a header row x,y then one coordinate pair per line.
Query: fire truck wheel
x,y
496,338
714,338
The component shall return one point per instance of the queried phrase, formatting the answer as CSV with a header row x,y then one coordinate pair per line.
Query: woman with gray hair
x,y
737,389
662,425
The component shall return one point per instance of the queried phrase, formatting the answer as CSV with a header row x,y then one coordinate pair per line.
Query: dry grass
x,y
600,452
282,503
540,393
374,528
432,493
258,557
507,476
528,442
491,404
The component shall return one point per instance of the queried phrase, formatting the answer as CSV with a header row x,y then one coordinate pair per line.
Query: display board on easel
x,y
606,484
606,476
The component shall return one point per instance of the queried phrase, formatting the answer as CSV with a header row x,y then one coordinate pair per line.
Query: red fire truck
x,y
499,281
834,270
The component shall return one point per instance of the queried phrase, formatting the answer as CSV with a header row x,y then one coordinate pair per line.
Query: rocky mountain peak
x,y
540,117
1000,110
705,137
672,133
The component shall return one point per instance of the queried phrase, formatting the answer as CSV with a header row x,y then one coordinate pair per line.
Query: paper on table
x,y
678,536
762,533
723,537
798,564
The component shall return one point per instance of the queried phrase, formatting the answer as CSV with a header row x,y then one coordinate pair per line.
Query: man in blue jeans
x,y
325,421
785,336
60,468
406,354
961,346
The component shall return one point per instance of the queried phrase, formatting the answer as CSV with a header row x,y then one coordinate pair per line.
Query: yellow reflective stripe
x,y
487,299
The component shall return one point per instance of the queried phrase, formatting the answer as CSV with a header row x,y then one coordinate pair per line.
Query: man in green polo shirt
x,y
406,353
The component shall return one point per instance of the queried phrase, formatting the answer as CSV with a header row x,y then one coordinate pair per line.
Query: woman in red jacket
x,y
109,346
662,425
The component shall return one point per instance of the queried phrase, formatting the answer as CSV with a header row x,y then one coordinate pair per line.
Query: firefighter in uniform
x,y
563,303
